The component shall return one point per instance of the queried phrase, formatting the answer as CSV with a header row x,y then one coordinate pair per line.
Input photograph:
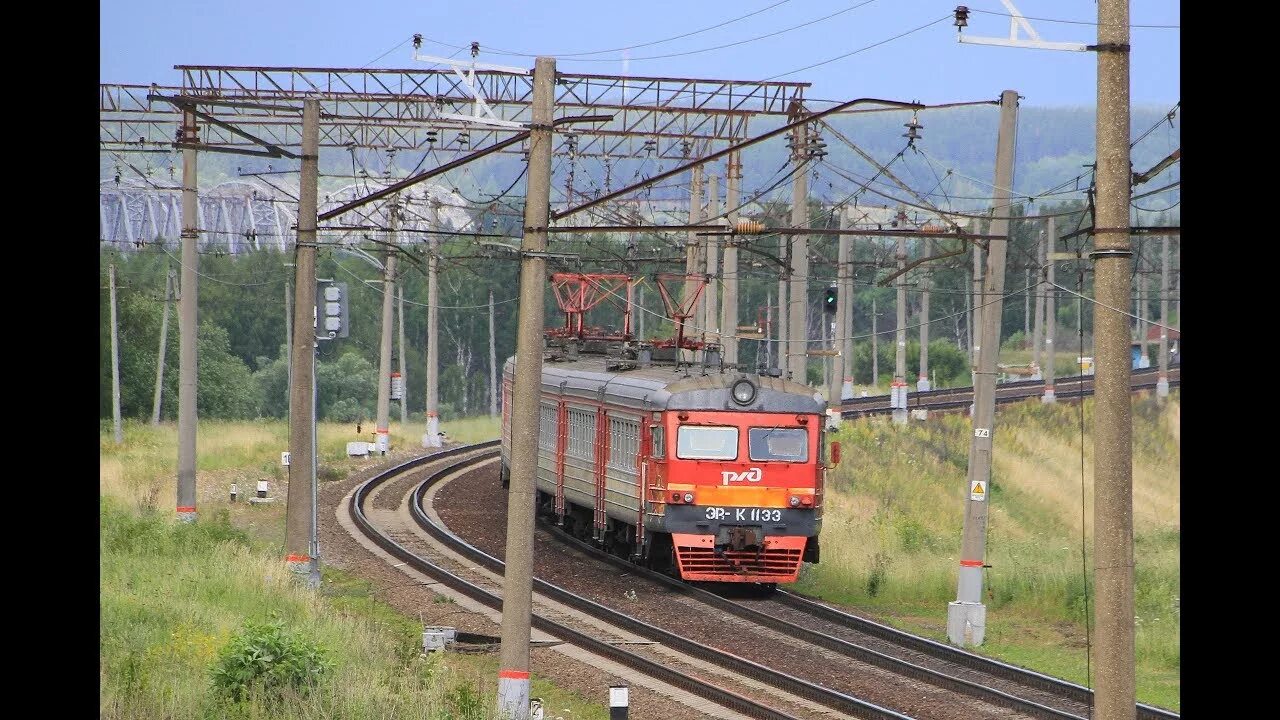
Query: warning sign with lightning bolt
x,y
977,490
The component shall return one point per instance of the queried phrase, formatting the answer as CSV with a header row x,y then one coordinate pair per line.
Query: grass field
x,y
173,596
895,509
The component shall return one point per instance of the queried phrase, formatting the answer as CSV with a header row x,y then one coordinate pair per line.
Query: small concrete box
x,y
436,638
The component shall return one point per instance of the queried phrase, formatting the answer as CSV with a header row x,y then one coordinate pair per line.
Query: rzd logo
x,y
752,475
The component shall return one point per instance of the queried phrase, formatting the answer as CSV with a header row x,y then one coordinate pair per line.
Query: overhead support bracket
x,y
469,83
1018,21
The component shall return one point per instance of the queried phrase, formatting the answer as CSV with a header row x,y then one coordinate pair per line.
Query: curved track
x,y
470,456
1015,688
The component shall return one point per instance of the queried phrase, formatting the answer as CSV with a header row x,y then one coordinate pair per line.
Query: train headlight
x,y
744,392
795,501
688,497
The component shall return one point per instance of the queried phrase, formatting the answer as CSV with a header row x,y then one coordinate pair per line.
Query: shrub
x,y
266,657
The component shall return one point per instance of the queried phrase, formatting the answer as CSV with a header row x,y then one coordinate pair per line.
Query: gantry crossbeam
x,y
402,109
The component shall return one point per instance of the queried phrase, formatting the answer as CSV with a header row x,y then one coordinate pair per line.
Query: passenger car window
x,y
699,442
785,444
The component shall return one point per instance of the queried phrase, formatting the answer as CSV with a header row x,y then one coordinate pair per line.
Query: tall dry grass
x,y
895,511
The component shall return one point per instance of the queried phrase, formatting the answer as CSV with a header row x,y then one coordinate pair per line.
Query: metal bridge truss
x,y
244,216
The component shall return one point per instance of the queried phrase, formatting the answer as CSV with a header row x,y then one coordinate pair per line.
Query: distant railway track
x,y
437,566
947,399
1018,689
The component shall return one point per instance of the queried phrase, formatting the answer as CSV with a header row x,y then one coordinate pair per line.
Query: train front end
x,y
740,471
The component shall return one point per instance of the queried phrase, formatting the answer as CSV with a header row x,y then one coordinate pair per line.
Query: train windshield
x,y
699,442
785,444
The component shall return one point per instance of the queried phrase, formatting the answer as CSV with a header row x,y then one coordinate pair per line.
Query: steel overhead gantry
x,y
421,109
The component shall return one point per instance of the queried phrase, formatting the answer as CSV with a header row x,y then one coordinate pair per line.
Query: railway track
x,y
1066,388
457,565
1018,689
962,658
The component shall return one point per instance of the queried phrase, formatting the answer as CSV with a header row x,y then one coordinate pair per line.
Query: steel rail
x,y
941,651
831,698
698,687
844,647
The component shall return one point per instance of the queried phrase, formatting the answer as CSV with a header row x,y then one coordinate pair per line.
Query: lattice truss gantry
x,y
418,109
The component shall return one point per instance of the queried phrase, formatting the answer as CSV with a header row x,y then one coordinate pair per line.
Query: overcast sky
x,y
141,41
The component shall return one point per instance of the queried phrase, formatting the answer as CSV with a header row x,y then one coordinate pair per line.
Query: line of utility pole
x,y
431,439
1162,378
1050,310
164,338
187,319
798,294
926,283
1114,695
842,363
729,307
299,554
844,308
784,256
517,585
899,386
382,424
1038,288
493,363
117,429
692,254
404,379
966,617
711,317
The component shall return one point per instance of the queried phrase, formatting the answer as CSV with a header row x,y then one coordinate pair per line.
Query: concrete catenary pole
x,y
117,428
693,255
899,389
404,379
842,366
844,308
383,422
1026,303
187,329
431,439
967,616
968,312
1162,378
711,321
517,586
875,344
768,329
640,313
1050,312
164,345
298,515
1038,289
493,362
729,308
975,308
288,337
798,293
784,275
926,281
1114,694
1140,301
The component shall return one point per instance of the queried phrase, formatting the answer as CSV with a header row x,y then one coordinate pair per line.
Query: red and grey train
x,y
711,475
